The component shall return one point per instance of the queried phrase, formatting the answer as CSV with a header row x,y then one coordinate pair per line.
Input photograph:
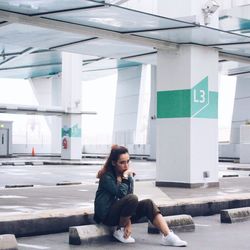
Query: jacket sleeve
x,y
118,190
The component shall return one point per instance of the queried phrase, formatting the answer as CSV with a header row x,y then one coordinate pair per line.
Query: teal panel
x,y
71,132
197,102
173,104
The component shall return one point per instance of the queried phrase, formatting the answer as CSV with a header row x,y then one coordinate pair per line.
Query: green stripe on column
x,y
177,104
173,104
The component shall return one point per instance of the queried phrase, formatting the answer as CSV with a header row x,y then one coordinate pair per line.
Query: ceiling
x,y
33,33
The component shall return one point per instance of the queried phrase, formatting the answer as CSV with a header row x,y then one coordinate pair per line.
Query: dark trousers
x,y
130,206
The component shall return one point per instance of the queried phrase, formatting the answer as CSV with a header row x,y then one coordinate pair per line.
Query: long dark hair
x,y
114,155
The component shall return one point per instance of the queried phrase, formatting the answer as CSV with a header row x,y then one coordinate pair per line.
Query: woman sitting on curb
x,y
116,205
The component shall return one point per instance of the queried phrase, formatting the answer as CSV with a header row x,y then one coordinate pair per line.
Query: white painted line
x,y
12,197
32,246
202,225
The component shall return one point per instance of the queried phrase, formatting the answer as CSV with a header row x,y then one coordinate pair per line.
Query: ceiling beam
x,y
32,110
235,58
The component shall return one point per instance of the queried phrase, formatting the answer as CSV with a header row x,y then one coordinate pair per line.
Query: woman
x,y
116,205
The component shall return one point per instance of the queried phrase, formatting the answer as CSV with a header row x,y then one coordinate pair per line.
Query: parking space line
x,y
32,246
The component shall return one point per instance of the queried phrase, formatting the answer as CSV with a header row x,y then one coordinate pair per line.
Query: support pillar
x,y
187,130
71,101
126,106
152,115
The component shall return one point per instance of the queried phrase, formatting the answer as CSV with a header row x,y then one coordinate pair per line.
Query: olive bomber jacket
x,y
109,191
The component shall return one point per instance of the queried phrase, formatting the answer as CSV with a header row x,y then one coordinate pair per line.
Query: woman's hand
x,y
128,172
119,179
127,229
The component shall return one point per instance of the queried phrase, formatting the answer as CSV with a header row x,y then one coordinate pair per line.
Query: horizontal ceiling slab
x,y
118,19
107,48
198,35
39,6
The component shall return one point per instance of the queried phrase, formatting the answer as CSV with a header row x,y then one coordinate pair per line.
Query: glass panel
x,y
42,58
197,35
234,24
238,49
7,49
41,6
107,48
237,12
117,19
239,70
109,64
30,36
24,73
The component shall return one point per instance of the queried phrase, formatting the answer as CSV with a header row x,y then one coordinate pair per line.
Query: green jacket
x,y
109,191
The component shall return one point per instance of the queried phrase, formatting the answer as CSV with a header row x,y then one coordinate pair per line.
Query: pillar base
x,y
185,185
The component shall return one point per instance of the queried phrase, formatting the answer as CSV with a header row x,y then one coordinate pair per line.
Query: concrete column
x,y
152,115
187,101
48,93
126,106
241,120
71,102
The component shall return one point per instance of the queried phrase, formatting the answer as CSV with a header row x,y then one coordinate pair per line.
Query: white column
x,y
48,94
126,106
187,113
152,115
241,119
71,101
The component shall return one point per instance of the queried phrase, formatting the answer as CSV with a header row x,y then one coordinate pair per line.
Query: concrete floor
x,y
209,234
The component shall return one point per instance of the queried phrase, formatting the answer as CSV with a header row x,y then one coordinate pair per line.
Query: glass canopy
x,y
40,6
237,49
30,36
117,19
197,35
107,48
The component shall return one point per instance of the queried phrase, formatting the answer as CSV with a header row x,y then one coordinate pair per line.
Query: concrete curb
x,y
229,175
18,163
36,163
44,222
68,183
59,220
178,223
87,234
19,186
8,242
235,215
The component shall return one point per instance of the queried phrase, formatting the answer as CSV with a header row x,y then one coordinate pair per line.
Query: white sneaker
x,y
119,235
173,240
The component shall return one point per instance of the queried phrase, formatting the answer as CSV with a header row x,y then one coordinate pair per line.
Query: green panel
x,y
71,132
197,102
173,104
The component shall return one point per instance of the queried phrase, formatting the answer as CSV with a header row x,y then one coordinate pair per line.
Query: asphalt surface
x,y
209,234
45,194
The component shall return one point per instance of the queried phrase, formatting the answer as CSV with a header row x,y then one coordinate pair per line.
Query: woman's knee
x,y
149,209
147,202
131,199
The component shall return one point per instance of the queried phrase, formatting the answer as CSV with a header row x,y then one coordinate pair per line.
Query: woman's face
x,y
122,163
